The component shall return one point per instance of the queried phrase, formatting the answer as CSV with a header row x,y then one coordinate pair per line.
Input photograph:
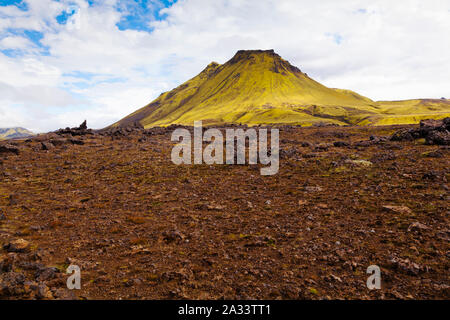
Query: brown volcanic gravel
x,y
141,227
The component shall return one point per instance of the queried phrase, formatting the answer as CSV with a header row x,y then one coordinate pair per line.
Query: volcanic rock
x,y
19,245
8,148
433,131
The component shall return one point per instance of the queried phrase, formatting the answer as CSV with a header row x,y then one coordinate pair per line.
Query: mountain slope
x,y
259,87
11,133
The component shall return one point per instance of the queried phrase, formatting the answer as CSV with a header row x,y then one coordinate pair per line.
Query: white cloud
x,y
15,43
382,49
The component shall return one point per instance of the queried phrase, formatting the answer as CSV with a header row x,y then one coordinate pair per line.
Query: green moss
x,y
313,291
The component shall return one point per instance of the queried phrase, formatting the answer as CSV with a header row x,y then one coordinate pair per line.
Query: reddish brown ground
x,y
141,227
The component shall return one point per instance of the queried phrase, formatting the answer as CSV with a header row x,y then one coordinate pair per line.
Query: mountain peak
x,y
256,51
273,60
249,54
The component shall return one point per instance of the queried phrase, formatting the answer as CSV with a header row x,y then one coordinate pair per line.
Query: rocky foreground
x,y
140,227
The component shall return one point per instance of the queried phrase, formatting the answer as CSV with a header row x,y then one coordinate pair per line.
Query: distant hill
x,y
259,87
11,133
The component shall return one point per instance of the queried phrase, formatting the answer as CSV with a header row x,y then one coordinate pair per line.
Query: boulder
x,y
397,209
19,245
77,141
340,144
47,146
83,126
64,294
8,148
417,226
171,236
404,135
59,142
43,292
45,274
436,137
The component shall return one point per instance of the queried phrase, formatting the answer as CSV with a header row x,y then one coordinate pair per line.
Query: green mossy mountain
x,y
259,87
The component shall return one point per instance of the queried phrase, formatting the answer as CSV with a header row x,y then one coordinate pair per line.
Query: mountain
x,y
259,87
11,133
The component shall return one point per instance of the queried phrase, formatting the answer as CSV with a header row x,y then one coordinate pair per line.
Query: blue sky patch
x,y
32,35
11,52
337,38
137,14
65,15
87,79
80,74
18,3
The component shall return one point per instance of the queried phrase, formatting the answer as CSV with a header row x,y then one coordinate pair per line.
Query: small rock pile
x,y
435,132
78,131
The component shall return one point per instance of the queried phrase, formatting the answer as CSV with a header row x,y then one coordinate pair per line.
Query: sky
x,y
63,61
